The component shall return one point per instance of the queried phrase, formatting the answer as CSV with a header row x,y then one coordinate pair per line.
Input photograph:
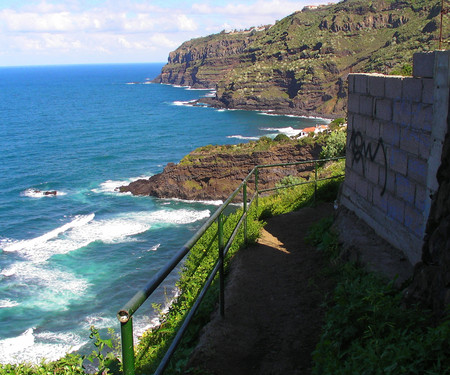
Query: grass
x,y
368,328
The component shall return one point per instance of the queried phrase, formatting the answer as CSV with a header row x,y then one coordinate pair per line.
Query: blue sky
x,y
42,32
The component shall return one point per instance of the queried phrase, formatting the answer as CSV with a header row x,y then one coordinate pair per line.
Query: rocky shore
x,y
214,172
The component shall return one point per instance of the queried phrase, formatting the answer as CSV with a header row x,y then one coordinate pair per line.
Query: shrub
x,y
282,138
336,124
335,145
368,329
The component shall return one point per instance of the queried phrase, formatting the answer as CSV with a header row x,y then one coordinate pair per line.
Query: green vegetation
x,y
404,70
201,260
294,198
310,52
335,144
368,330
196,269
214,153
104,358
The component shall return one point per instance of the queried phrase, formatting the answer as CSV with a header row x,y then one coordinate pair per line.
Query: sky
x,y
49,32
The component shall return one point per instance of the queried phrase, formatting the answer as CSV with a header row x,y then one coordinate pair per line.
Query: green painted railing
x,y
125,315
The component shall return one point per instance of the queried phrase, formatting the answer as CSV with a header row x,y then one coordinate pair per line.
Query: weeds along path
x,y
273,303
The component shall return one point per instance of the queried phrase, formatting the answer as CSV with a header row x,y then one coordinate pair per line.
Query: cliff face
x,y
211,174
300,64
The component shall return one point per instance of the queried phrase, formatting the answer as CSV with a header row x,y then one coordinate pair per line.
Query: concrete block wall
x,y
394,144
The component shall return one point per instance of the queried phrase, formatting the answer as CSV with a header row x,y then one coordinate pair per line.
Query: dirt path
x,y
273,312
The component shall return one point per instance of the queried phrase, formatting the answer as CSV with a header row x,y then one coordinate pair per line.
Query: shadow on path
x,y
273,303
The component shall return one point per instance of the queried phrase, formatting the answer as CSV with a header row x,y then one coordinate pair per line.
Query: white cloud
x,y
185,23
133,29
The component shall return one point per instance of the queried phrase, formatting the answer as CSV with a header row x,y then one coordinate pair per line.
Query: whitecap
x,y
189,88
112,186
99,321
184,103
207,202
36,193
211,94
42,247
289,131
168,216
268,114
154,248
243,137
30,348
7,303
54,289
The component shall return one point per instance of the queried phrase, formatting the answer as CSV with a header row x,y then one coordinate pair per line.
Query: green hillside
x,y
301,63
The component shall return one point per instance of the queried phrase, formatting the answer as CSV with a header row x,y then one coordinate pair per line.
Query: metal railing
x,y
125,315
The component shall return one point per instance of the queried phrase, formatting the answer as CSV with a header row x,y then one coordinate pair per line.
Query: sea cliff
x,y
214,172
300,64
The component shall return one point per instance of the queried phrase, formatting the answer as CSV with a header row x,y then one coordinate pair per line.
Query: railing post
x,y
256,190
126,330
315,182
244,197
221,266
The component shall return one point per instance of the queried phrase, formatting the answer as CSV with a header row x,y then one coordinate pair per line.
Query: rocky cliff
x,y
300,64
214,172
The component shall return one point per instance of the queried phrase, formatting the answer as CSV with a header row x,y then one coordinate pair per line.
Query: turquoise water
x,y
72,260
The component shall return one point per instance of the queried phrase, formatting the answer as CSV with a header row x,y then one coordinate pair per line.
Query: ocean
x,y
71,260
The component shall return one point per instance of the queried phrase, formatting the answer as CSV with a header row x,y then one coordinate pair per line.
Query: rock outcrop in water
x,y
300,64
214,172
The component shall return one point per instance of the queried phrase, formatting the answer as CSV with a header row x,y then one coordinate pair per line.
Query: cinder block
x,y
420,197
393,87
396,209
386,180
378,199
402,112
376,85
359,123
390,133
373,129
412,89
379,152
414,221
351,83
427,91
409,141
366,105
361,188
351,179
349,123
422,116
360,84
405,189
417,170
372,171
423,64
353,103
424,146
383,109
398,160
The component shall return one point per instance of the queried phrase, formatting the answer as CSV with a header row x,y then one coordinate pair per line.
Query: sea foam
x,y
112,186
243,137
36,193
289,131
29,348
6,303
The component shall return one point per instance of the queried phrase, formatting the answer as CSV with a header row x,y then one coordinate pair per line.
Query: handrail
x,y
125,314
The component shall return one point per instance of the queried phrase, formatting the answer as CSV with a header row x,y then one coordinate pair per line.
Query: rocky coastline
x,y
214,172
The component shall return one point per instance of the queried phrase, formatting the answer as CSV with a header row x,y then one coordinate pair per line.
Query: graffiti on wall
x,y
362,152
